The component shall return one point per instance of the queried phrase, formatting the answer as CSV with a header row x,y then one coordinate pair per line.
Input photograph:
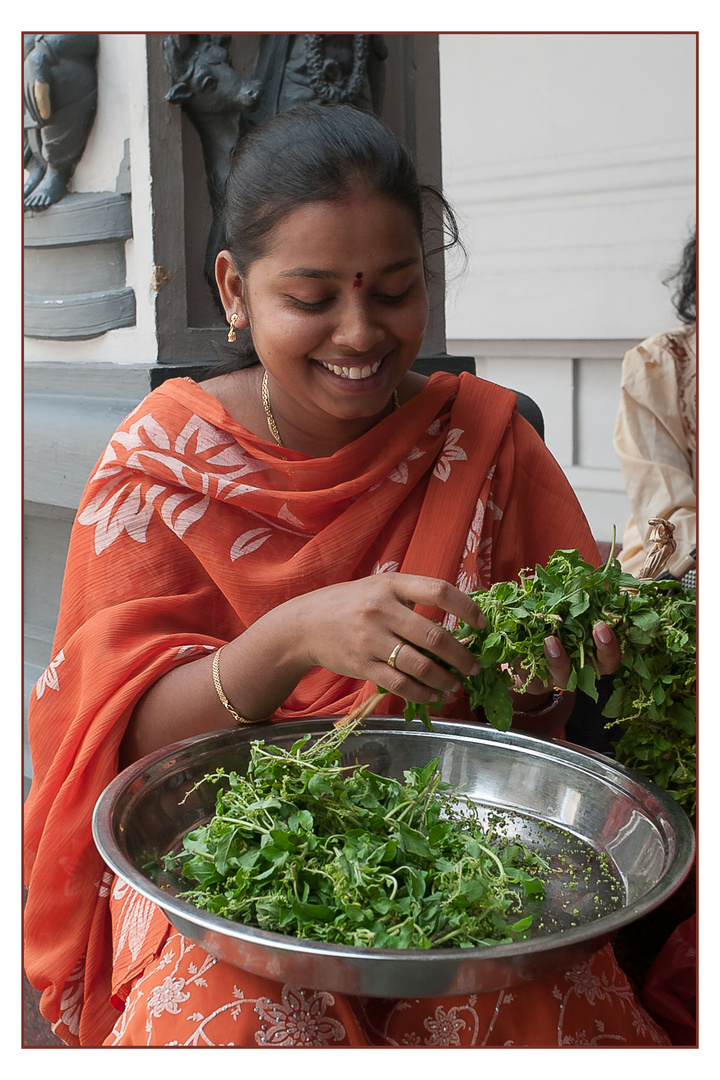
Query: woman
x,y
656,431
275,542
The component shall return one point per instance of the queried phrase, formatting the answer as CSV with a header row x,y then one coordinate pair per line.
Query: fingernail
x,y
603,633
553,647
475,669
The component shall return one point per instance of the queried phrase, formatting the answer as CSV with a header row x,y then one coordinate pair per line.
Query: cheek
x,y
411,324
286,337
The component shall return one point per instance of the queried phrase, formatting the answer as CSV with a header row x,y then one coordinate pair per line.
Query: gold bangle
x,y
221,693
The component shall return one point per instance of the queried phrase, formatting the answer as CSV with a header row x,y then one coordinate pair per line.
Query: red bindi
x,y
357,283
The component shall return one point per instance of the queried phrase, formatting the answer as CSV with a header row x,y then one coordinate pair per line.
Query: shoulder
x,y
482,390
170,414
663,347
491,396
659,358
221,401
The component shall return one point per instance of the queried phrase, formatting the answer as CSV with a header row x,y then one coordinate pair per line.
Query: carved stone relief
x,y
60,98
223,105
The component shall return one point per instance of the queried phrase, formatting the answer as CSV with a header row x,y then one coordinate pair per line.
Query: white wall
x,y
570,159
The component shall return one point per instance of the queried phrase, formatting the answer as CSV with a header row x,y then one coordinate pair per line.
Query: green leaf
x,y
587,682
413,841
614,704
313,912
533,888
521,925
497,706
318,785
580,602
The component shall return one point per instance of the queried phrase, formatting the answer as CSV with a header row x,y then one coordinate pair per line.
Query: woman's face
x,y
337,308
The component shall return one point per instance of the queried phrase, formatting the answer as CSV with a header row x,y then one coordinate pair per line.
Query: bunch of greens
x,y
308,847
653,704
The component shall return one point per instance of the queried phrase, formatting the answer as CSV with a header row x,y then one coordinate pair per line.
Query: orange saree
x,y
190,529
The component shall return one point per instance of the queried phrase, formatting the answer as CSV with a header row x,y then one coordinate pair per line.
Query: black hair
x,y
319,152
685,277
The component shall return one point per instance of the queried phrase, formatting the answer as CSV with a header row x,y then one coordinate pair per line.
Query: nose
x,y
358,326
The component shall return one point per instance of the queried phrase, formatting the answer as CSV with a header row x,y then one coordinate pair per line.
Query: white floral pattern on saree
x,y
193,462
186,997
389,567
136,916
72,998
297,1020
451,452
49,679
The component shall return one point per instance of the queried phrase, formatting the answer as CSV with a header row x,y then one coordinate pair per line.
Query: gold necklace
x,y
271,419
268,411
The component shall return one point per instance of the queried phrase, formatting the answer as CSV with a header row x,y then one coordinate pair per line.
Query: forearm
x,y
350,628
258,670
543,716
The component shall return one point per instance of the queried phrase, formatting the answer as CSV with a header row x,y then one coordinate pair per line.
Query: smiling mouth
x,y
351,372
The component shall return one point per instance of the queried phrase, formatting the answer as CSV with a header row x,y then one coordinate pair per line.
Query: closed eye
x,y
307,305
321,305
393,298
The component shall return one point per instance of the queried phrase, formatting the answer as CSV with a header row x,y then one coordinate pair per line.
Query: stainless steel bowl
x,y
558,798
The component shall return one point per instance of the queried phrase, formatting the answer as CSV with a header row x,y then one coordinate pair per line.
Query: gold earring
x,y
232,336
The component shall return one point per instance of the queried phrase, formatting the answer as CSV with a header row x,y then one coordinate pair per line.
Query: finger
x,y
414,589
426,636
558,662
607,649
415,677
425,670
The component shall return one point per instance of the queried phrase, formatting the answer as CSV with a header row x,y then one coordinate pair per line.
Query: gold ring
x,y
393,655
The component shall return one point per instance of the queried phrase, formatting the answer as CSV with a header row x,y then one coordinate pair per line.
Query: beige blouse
x,y
656,443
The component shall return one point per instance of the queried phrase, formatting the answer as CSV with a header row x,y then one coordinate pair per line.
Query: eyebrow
x,y
328,275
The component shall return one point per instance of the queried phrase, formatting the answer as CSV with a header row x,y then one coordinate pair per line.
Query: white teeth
x,y
353,372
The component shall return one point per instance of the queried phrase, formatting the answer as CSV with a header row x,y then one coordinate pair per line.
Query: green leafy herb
x,y
306,846
653,705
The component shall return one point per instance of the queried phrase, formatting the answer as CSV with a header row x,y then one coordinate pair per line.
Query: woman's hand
x,y
368,629
353,629
607,652
538,710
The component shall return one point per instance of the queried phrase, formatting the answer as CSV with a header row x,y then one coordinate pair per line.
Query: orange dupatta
x,y
191,528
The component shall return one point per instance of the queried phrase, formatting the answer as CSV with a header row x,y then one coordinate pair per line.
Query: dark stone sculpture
x,y
217,100
333,67
222,104
60,97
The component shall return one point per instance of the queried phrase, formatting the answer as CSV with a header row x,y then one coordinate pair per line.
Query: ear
x,y
230,287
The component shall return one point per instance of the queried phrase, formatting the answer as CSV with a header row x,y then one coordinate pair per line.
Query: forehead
x,y
364,231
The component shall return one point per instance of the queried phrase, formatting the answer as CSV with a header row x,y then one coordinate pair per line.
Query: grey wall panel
x,y
74,274
60,271
79,218
81,316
